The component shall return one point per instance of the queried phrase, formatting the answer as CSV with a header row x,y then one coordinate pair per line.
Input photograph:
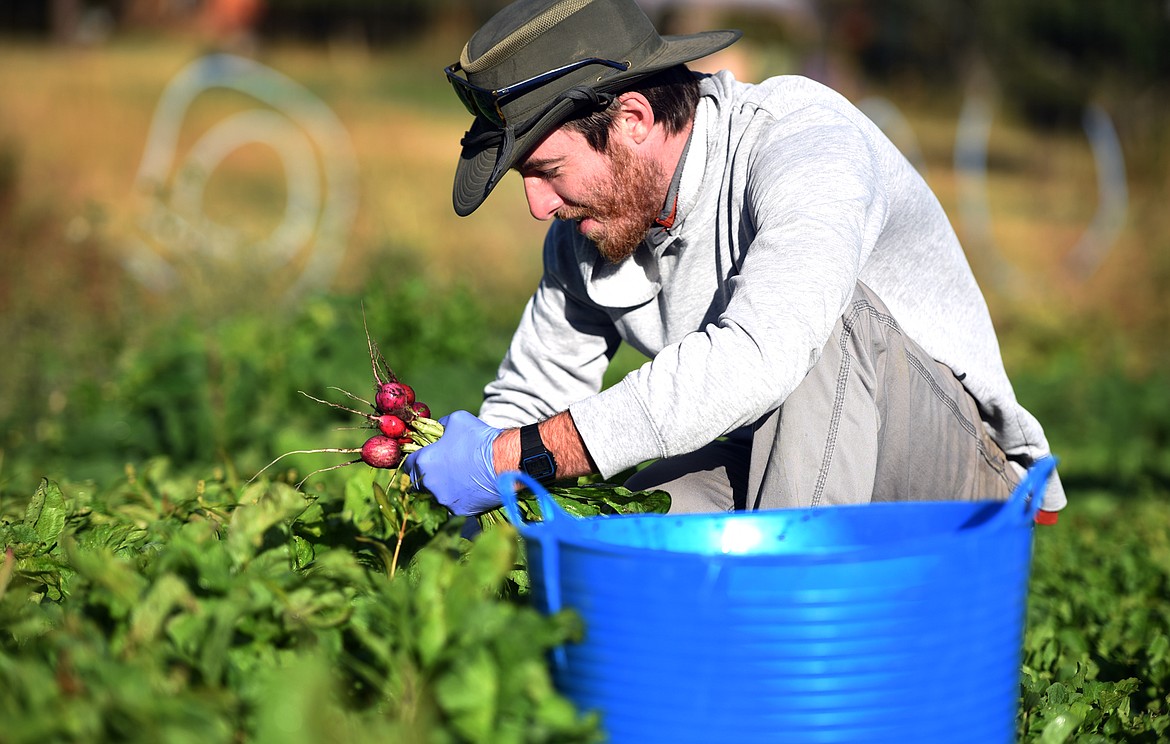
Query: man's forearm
x,y
560,436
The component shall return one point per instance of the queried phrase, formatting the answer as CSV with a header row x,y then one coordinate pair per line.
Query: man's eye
x,y
543,174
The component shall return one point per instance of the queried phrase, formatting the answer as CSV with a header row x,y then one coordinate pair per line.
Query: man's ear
x,y
635,119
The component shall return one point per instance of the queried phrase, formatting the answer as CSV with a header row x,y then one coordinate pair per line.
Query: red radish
x,y
381,452
392,397
391,426
404,423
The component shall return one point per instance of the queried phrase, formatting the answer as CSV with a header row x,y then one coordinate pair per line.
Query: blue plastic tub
x,y
899,622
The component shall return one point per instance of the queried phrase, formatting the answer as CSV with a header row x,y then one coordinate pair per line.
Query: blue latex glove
x,y
458,468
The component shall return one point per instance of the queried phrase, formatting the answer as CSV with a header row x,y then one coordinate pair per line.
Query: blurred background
x,y
201,201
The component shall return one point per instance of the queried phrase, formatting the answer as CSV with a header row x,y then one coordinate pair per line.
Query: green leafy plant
x,y
170,609
1097,651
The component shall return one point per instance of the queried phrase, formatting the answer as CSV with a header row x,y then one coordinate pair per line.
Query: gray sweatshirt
x,y
788,196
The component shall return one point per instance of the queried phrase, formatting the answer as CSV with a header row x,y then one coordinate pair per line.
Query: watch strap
x,y
535,458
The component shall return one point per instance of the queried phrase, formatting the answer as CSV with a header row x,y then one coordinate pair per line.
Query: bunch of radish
x,y
403,423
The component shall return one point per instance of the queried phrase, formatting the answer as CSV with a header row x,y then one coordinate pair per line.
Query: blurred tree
x,y
374,22
65,15
1051,57
918,41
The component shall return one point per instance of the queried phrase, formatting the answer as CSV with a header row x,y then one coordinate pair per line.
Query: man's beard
x,y
625,204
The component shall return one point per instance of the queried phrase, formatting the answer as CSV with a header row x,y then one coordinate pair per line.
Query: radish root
x,y
335,450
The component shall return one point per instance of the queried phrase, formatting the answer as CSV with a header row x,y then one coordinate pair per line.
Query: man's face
x,y
613,196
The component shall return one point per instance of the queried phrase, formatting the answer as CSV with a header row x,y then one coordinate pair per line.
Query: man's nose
x,y
543,201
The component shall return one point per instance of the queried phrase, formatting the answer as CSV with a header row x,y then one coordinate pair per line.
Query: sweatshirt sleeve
x,y
559,352
808,192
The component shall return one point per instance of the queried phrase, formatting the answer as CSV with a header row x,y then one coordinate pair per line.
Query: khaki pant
x,y
876,419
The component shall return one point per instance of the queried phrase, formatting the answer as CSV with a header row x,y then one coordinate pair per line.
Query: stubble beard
x,y
625,204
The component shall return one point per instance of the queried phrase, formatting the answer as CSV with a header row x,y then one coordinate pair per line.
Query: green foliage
x,y
169,601
1110,425
1097,651
590,497
165,609
257,612
199,389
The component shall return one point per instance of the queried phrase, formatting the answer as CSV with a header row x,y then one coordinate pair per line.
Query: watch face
x,y
539,466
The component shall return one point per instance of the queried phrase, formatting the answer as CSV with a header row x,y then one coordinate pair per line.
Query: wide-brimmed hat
x,y
537,62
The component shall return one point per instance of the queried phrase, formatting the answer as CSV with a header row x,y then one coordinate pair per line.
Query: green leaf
x,y
360,507
297,703
114,536
250,523
312,520
23,539
186,631
595,499
433,577
389,513
146,619
470,696
43,567
1159,649
221,633
491,557
1057,694
7,565
112,581
1060,727
429,514
46,512
303,552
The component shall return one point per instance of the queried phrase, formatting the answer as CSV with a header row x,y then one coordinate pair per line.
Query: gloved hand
x,y
458,468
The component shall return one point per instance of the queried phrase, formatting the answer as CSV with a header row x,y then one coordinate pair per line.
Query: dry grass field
x,y
74,124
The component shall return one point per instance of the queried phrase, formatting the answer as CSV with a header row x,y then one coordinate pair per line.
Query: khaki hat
x,y
537,62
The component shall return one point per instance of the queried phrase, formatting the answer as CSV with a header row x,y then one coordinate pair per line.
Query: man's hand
x,y
458,468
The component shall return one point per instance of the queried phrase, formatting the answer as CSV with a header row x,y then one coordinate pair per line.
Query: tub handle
x,y
550,511
1027,496
545,535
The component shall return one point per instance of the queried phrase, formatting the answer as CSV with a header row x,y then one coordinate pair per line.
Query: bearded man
x,y
814,332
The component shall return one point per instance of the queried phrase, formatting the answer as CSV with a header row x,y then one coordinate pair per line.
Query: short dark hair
x,y
673,95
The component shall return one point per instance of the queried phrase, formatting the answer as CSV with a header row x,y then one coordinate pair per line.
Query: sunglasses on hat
x,y
488,104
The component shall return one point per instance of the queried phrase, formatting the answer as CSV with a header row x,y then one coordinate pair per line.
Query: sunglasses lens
x,y
485,107
464,98
477,101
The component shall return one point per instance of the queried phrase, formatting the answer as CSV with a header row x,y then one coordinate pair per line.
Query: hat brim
x,y
475,167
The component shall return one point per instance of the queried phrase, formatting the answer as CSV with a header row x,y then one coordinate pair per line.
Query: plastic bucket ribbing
x,y
899,622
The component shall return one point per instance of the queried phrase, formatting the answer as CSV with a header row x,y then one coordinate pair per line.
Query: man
x,y
814,332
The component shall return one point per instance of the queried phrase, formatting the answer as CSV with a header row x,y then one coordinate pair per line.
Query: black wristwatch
x,y
535,459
